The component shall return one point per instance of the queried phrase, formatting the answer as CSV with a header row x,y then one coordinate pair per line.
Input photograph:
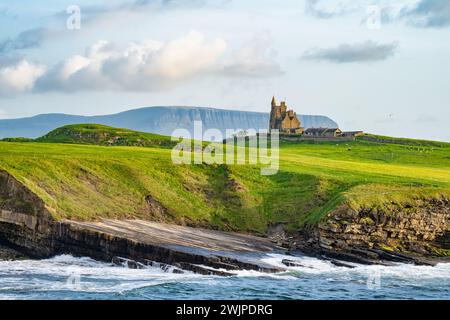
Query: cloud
x,y
90,13
31,38
417,13
366,52
35,37
330,9
257,58
19,77
146,66
428,14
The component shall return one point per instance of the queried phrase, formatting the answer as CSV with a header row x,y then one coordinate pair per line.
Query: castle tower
x,y
283,119
275,114
274,102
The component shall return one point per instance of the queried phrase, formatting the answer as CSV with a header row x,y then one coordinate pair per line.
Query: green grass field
x,y
79,181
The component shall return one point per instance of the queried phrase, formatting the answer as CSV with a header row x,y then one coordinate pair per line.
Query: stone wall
x,y
316,139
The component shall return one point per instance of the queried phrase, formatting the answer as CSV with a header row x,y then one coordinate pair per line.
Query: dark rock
x,y
292,263
340,263
350,257
164,267
202,270
128,243
9,254
127,263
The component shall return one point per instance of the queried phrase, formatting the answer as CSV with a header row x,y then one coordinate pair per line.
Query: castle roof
x,y
321,130
274,102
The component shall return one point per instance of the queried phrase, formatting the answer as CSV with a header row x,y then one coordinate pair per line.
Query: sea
x,y
68,277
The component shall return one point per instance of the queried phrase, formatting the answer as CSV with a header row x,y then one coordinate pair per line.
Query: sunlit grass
x,y
94,182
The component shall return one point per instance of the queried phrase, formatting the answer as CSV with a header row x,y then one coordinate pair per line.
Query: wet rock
x,y
202,270
292,263
163,266
130,243
9,254
338,263
127,263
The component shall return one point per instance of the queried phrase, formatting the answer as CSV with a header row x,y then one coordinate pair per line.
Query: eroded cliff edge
x,y
27,227
415,233
25,222
418,232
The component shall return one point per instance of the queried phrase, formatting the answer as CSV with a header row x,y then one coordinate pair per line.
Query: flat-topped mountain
x,y
160,120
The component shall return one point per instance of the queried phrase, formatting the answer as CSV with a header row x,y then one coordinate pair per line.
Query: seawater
x,y
67,277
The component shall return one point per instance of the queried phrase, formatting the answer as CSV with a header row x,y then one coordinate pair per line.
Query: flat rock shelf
x,y
138,242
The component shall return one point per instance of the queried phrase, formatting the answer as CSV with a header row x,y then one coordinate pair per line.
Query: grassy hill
x,y
104,135
402,141
83,182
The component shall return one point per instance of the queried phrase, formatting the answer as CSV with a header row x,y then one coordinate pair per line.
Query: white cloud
x,y
19,77
145,66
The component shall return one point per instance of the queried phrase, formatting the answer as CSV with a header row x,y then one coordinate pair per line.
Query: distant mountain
x,y
160,120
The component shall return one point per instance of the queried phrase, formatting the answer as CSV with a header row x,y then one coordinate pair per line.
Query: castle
x,y
287,123
284,120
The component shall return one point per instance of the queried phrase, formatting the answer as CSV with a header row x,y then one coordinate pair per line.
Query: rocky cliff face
x,y
15,197
416,233
28,229
161,120
25,222
413,233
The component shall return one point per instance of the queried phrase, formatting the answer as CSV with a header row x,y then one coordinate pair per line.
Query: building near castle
x,y
286,121
323,132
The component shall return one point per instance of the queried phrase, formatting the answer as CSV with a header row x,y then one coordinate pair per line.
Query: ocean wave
x,y
66,276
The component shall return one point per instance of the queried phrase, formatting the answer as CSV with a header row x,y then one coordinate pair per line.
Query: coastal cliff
x,y
27,229
362,201
418,233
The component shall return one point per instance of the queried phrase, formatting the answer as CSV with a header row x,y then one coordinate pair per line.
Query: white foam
x,y
67,273
312,265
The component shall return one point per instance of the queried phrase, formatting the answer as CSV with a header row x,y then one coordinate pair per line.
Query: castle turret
x,y
283,108
274,102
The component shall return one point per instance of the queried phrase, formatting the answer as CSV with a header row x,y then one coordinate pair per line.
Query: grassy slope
x,y
104,135
91,182
371,174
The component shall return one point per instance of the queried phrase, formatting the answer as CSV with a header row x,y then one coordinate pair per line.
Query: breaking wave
x,y
67,277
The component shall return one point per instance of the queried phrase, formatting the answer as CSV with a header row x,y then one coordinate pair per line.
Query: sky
x,y
373,65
